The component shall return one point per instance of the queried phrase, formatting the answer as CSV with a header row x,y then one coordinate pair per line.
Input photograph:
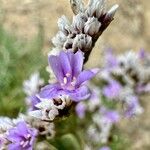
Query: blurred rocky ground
x,y
129,30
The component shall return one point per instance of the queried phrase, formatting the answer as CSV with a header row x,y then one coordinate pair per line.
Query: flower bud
x,y
77,6
79,21
110,14
95,8
59,39
92,26
64,25
82,41
68,43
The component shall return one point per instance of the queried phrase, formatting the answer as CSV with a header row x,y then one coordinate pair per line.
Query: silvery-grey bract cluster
x,y
102,118
88,24
48,110
32,86
130,69
45,129
127,76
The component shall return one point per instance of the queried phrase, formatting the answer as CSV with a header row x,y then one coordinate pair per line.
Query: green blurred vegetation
x,y
18,59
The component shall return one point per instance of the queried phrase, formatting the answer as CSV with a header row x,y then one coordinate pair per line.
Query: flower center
x,y
26,141
69,82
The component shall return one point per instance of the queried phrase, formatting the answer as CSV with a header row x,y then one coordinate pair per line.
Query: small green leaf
x,y
70,142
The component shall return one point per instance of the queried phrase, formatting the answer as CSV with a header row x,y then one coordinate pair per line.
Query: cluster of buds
x,y
88,24
102,122
45,129
49,109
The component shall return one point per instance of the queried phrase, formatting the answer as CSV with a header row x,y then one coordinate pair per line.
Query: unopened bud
x,y
77,6
64,25
79,21
59,39
92,26
110,14
82,41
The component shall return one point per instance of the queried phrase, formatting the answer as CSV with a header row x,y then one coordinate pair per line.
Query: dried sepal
x,y
77,6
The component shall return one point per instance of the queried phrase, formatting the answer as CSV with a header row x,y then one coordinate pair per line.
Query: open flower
x,y
80,110
112,90
133,107
21,137
67,68
109,116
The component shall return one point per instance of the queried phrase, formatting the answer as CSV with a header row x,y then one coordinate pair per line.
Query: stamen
x,y
68,74
21,143
28,136
73,83
25,144
65,80
62,84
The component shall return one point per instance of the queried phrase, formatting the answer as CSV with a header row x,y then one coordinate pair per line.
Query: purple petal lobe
x,y
77,64
56,67
80,110
86,75
65,63
79,94
14,146
49,91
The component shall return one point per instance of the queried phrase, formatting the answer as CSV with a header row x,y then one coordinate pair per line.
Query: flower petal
x,y
77,63
65,63
86,75
34,100
49,91
80,110
13,136
79,94
22,128
15,146
56,67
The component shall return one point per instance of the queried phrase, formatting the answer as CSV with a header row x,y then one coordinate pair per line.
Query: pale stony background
x,y
129,30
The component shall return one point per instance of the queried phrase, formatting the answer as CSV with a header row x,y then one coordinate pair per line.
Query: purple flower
x,y
112,90
21,137
67,68
141,88
109,115
142,54
80,110
105,148
94,100
133,107
111,60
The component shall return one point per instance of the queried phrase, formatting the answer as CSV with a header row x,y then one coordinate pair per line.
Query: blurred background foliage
x,y
18,60
26,27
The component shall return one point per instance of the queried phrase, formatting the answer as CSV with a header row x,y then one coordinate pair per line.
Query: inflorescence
x,y
114,94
